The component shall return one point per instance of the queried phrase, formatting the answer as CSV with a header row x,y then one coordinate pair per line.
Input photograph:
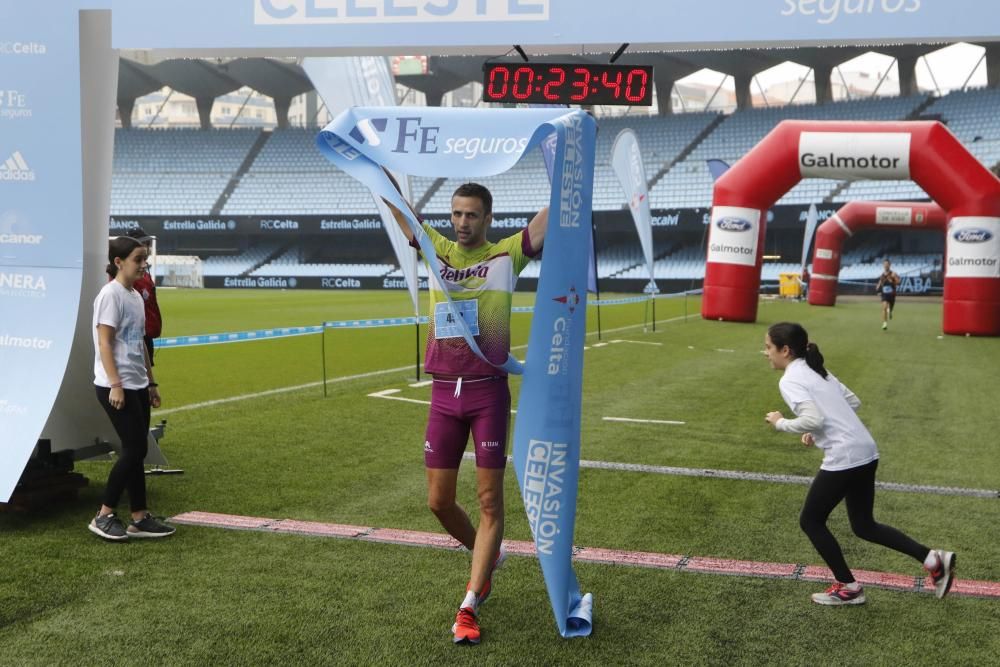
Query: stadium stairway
x,y
642,261
680,157
278,252
244,167
917,113
429,194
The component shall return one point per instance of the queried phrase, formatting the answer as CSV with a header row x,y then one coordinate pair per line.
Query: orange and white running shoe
x,y
466,627
839,594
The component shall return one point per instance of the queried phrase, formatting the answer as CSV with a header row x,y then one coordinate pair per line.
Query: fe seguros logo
x,y
409,134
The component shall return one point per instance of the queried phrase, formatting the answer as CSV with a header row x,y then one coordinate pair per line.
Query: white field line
x,y
422,383
345,378
642,421
744,476
280,390
636,342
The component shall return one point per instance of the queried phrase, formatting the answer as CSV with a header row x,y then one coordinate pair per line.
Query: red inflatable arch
x,y
850,218
924,151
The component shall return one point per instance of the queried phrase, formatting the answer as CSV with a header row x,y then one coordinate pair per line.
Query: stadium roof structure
x,y
284,78
205,80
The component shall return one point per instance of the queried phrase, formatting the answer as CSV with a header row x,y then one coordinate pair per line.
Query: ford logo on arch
x,y
734,224
972,235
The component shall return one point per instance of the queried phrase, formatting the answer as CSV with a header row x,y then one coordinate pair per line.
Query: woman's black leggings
x,y
857,486
132,426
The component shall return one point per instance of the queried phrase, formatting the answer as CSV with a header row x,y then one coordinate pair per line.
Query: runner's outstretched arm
x,y
401,220
536,229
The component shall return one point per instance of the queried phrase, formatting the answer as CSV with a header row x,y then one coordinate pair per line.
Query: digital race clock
x,y
577,83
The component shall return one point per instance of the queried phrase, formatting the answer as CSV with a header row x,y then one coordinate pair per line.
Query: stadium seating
x,y
175,171
290,176
236,265
184,172
290,263
688,184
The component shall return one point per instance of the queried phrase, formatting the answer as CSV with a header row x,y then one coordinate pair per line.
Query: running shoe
x,y
466,627
488,587
149,526
944,574
885,325
109,527
839,594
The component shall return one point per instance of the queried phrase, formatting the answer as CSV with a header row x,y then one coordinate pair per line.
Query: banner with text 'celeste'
x,y
442,142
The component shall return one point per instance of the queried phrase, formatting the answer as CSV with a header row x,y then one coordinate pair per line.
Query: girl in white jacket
x,y
825,416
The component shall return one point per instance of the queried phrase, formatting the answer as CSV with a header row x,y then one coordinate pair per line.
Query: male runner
x,y
886,286
468,393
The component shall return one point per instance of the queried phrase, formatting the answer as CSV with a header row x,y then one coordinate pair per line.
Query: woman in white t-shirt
x,y
825,416
126,390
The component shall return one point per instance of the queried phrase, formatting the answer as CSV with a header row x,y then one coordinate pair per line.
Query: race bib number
x,y
445,325
886,289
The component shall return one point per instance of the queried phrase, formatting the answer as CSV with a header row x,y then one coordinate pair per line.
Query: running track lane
x,y
723,566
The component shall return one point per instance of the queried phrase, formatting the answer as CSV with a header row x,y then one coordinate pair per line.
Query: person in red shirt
x,y
146,287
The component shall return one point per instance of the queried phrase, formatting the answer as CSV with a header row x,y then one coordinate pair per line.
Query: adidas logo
x,y
367,131
16,169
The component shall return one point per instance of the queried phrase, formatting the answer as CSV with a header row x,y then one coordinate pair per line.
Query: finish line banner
x,y
442,142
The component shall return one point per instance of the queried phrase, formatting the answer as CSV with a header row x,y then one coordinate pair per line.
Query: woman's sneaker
x,y
944,574
109,527
149,526
839,594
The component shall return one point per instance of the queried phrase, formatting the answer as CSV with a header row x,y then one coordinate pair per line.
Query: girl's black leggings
x,y
857,486
132,426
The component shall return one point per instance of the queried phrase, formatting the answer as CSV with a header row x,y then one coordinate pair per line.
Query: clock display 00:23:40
x,y
567,84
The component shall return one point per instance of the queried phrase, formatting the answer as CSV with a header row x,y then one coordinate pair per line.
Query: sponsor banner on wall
x,y
524,284
22,239
36,331
245,225
792,216
41,219
855,155
309,282
732,238
15,105
973,247
503,224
